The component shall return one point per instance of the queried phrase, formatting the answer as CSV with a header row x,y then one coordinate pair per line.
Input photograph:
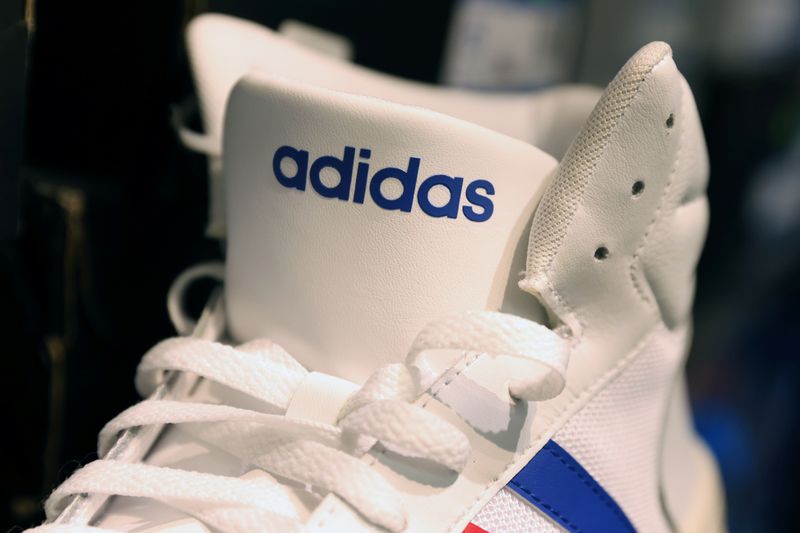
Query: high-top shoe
x,y
465,333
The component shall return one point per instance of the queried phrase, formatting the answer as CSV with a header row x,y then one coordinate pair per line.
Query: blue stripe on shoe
x,y
554,482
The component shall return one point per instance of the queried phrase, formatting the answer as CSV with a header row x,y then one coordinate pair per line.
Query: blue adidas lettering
x,y
478,206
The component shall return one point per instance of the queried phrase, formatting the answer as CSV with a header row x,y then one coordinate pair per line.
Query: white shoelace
x,y
322,457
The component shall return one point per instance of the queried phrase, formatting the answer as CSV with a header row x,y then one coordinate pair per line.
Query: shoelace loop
x,y
309,453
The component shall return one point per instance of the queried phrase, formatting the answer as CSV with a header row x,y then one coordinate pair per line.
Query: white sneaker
x,y
360,230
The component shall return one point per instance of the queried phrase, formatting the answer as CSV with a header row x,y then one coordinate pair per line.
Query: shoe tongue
x,y
352,222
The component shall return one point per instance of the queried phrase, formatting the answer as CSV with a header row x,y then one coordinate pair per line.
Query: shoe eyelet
x,y
670,121
601,254
637,188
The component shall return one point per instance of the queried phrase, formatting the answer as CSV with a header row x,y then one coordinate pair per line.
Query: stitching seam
x,y
657,216
548,267
547,506
591,484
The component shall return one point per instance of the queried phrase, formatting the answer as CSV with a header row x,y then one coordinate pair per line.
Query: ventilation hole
x,y
601,253
670,120
637,189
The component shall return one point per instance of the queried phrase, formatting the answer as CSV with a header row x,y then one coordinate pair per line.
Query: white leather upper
x,y
613,310
344,286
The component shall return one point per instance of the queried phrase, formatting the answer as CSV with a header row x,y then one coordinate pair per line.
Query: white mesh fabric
x,y
562,196
508,513
616,437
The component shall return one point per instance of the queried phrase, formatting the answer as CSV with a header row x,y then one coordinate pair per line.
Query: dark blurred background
x,y
100,207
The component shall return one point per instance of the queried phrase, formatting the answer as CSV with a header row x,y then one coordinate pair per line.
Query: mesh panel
x,y
562,196
507,513
617,435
